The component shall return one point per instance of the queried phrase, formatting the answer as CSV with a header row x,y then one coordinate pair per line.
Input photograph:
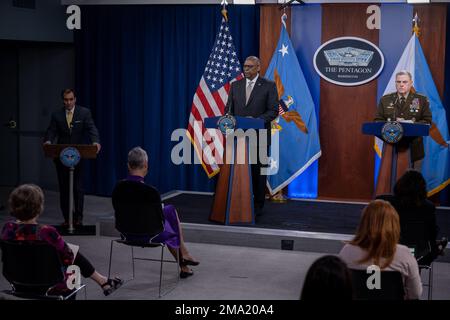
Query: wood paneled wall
x,y
346,165
433,25
270,26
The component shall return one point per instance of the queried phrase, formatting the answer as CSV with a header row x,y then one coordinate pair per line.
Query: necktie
x,y
69,117
402,102
248,91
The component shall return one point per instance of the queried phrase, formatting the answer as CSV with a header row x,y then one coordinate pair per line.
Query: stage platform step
x,y
327,243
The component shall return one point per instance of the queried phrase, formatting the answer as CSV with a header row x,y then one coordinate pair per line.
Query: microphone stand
x,y
71,228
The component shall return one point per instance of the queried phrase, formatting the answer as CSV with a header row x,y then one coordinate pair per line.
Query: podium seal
x,y
392,132
226,124
70,157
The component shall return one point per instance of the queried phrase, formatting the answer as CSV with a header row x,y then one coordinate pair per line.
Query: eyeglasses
x,y
249,66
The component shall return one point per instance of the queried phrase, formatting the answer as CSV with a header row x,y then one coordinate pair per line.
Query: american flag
x,y
210,98
282,108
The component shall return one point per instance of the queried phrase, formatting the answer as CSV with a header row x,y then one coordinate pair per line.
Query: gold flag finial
x,y
416,28
224,11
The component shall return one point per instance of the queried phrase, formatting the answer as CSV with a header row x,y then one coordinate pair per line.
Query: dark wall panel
x,y
432,23
270,26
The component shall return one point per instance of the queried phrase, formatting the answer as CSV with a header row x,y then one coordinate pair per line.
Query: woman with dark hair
x,y
26,203
328,278
376,243
410,201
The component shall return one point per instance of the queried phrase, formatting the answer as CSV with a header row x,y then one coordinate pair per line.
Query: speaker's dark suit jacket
x,y
60,132
263,104
82,125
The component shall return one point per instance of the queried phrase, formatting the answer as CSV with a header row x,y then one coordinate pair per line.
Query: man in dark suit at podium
x,y
70,125
254,96
406,104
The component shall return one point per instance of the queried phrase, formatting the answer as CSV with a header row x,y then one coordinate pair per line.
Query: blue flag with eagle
x,y
296,125
436,164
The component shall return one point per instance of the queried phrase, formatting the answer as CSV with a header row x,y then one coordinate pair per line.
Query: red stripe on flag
x,y
205,103
219,101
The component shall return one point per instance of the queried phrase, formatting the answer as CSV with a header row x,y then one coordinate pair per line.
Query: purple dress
x,y
171,233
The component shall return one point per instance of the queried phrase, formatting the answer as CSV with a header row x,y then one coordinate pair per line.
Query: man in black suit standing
x,y
70,125
254,96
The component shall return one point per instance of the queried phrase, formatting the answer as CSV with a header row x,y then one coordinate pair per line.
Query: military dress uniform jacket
x,y
416,108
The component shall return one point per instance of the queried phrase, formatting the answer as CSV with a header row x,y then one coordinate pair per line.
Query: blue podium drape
x,y
137,68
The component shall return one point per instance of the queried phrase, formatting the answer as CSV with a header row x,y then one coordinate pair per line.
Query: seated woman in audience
x,y
410,201
125,196
376,243
26,203
328,278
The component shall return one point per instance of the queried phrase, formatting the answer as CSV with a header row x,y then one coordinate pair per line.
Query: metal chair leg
x,y
161,270
132,261
85,293
110,258
178,265
430,283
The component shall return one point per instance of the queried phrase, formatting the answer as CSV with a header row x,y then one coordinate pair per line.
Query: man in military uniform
x,y
404,105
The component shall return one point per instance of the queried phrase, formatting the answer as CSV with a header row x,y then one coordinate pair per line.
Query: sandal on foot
x,y
185,274
186,262
113,285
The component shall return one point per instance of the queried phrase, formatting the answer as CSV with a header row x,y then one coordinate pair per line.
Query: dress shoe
x,y
258,212
185,274
111,285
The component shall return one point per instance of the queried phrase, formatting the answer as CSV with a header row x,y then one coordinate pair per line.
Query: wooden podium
x,y
233,200
85,151
396,158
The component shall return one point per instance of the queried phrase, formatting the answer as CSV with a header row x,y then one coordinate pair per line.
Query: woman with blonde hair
x,y
376,243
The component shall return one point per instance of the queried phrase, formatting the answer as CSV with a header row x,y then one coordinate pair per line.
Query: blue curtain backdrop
x,y
137,68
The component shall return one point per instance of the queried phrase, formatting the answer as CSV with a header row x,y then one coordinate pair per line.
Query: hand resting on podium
x,y
402,120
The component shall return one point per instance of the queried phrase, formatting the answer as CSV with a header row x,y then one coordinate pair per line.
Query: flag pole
x,y
224,11
279,196
416,28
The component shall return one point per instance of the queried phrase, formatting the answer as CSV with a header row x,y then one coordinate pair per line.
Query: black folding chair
x,y
414,235
138,214
391,286
33,268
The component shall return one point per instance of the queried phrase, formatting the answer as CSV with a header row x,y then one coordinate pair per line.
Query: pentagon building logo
x,y
348,57
348,61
